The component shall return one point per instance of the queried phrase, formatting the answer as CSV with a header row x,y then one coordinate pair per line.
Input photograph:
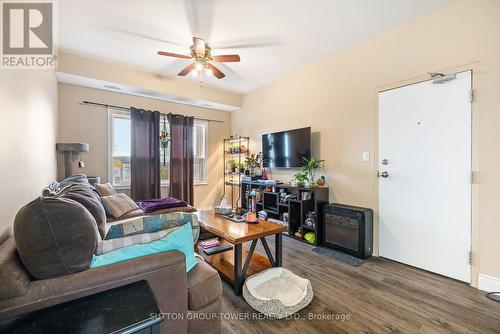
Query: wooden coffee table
x,y
229,264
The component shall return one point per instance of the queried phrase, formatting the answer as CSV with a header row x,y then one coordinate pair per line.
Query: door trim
x,y
474,67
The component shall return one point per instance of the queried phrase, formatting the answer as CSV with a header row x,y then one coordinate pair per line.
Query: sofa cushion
x,y
139,212
204,286
104,189
118,205
13,275
55,236
85,197
132,214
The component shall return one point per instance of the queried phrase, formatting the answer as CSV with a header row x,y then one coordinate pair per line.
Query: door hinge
x,y
471,95
470,257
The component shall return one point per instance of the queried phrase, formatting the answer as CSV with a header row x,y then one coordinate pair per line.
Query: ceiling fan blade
x,y
150,37
226,58
185,71
200,15
229,71
217,73
246,43
199,46
176,55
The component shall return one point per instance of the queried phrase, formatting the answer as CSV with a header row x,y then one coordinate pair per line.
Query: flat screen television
x,y
286,149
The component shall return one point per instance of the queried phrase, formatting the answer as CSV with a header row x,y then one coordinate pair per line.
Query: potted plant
x,y
253,162
299,179
233,165
310,166
242,167
234,148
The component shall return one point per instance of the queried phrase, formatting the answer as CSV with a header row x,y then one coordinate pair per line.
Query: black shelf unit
x,y
297,208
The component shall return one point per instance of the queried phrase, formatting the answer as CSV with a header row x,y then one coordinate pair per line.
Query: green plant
x,y
241,165
310,166
299,177
233,163
253,160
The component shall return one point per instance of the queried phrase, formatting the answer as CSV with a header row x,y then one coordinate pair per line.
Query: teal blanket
x,y
181,240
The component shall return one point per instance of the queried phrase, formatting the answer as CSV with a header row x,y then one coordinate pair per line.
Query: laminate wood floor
x,y
381,296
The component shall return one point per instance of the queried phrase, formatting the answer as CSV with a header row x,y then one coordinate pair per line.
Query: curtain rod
x,y
128,109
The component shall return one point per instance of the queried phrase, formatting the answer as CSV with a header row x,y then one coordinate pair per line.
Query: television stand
x,y
313,200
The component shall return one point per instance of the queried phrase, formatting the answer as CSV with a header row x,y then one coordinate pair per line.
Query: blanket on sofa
x,y
179,238
151,205
146,229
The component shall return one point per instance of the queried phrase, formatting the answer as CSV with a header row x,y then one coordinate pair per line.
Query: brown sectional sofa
x,y
188,295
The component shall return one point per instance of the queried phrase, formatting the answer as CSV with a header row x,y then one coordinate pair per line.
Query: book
x,y
218,249
210,243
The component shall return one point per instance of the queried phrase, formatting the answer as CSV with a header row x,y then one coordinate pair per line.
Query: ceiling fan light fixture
x,y
201,56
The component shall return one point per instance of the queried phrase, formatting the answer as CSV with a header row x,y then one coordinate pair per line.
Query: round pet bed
x,y
277,292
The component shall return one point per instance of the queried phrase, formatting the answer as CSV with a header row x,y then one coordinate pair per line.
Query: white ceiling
x,y
273,37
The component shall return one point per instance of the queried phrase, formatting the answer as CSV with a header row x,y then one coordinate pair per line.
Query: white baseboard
x,y
488,283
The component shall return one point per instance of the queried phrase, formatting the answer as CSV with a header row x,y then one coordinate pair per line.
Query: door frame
x,y
474,68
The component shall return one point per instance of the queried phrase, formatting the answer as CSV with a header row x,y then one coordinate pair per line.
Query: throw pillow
x,y
118,205
105,189
85,196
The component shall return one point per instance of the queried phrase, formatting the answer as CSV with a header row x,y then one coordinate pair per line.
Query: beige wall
x,y
89,124
337,97
28,125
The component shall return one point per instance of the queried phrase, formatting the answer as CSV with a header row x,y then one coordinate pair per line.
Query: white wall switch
x,y
366,156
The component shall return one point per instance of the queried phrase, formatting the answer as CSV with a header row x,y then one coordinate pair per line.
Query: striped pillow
x,y
118,205
105,189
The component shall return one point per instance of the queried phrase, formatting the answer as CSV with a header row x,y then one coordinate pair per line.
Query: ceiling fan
x,y
201,54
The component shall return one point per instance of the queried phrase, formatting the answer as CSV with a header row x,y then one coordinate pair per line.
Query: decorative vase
x,y
321,181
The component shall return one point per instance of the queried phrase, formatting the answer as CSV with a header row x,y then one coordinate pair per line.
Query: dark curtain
x,y
181,157
145,159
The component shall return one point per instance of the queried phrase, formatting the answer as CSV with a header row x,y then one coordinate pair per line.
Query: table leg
x,y
238,276
278,250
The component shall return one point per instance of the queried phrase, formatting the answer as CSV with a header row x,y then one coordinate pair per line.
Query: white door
x,y
425,196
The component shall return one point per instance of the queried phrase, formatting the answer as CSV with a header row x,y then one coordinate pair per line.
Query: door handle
x,y
384,174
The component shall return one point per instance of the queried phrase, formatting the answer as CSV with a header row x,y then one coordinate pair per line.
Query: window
x,y
120,150
119,169
164,156
200,150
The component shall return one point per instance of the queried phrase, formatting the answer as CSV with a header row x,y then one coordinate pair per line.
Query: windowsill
x,y
121,187
162,186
